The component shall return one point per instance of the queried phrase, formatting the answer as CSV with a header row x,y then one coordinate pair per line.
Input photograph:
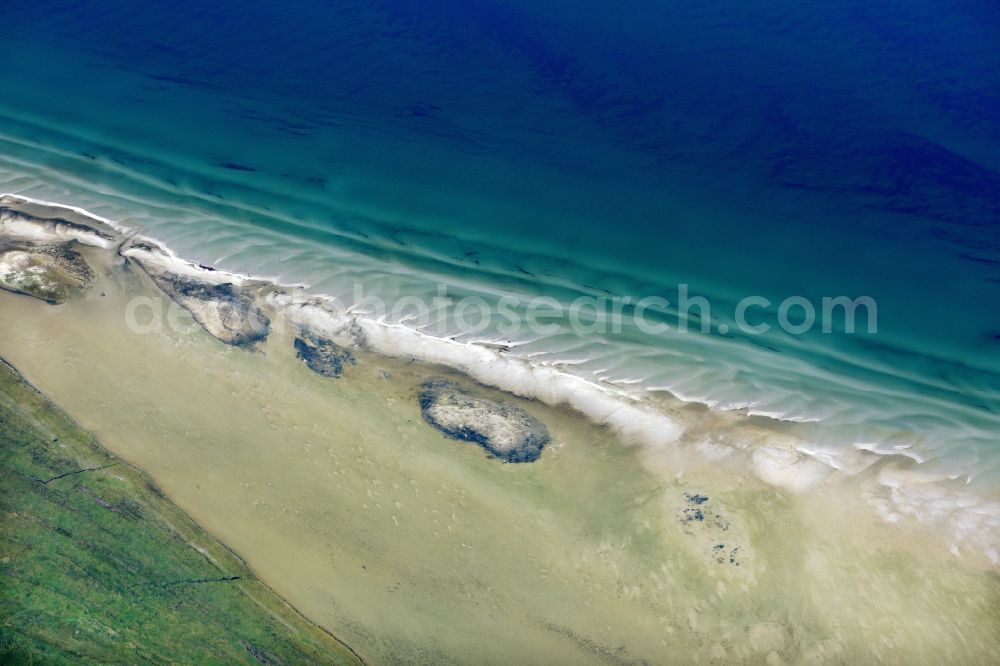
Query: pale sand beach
x,y
409,545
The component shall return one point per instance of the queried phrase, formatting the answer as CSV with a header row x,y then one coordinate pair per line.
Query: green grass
x,y
96,565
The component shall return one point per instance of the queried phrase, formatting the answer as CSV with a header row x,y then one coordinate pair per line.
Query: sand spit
x,y
37,253
226,310
31,220
38,260
52,272
504,430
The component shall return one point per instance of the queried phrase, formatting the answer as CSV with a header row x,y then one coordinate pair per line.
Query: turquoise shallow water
x,y
508,149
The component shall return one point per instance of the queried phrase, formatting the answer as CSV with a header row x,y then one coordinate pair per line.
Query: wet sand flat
x,y
410,545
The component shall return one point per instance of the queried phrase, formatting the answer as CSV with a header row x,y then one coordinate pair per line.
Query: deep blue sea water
x,y
569,148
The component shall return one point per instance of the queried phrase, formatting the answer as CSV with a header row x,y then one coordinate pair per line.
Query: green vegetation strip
x,y
97,565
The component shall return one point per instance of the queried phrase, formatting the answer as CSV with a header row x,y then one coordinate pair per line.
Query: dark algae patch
x,y
323,356
97,566
695,498
702,518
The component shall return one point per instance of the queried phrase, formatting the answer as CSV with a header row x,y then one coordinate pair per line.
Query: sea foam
x,y
970,522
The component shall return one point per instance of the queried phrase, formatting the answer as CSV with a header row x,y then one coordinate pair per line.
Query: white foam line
x,y
120,228
635,422
166,259
45,230
184,266
781,416
488,366
171,261
623,412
